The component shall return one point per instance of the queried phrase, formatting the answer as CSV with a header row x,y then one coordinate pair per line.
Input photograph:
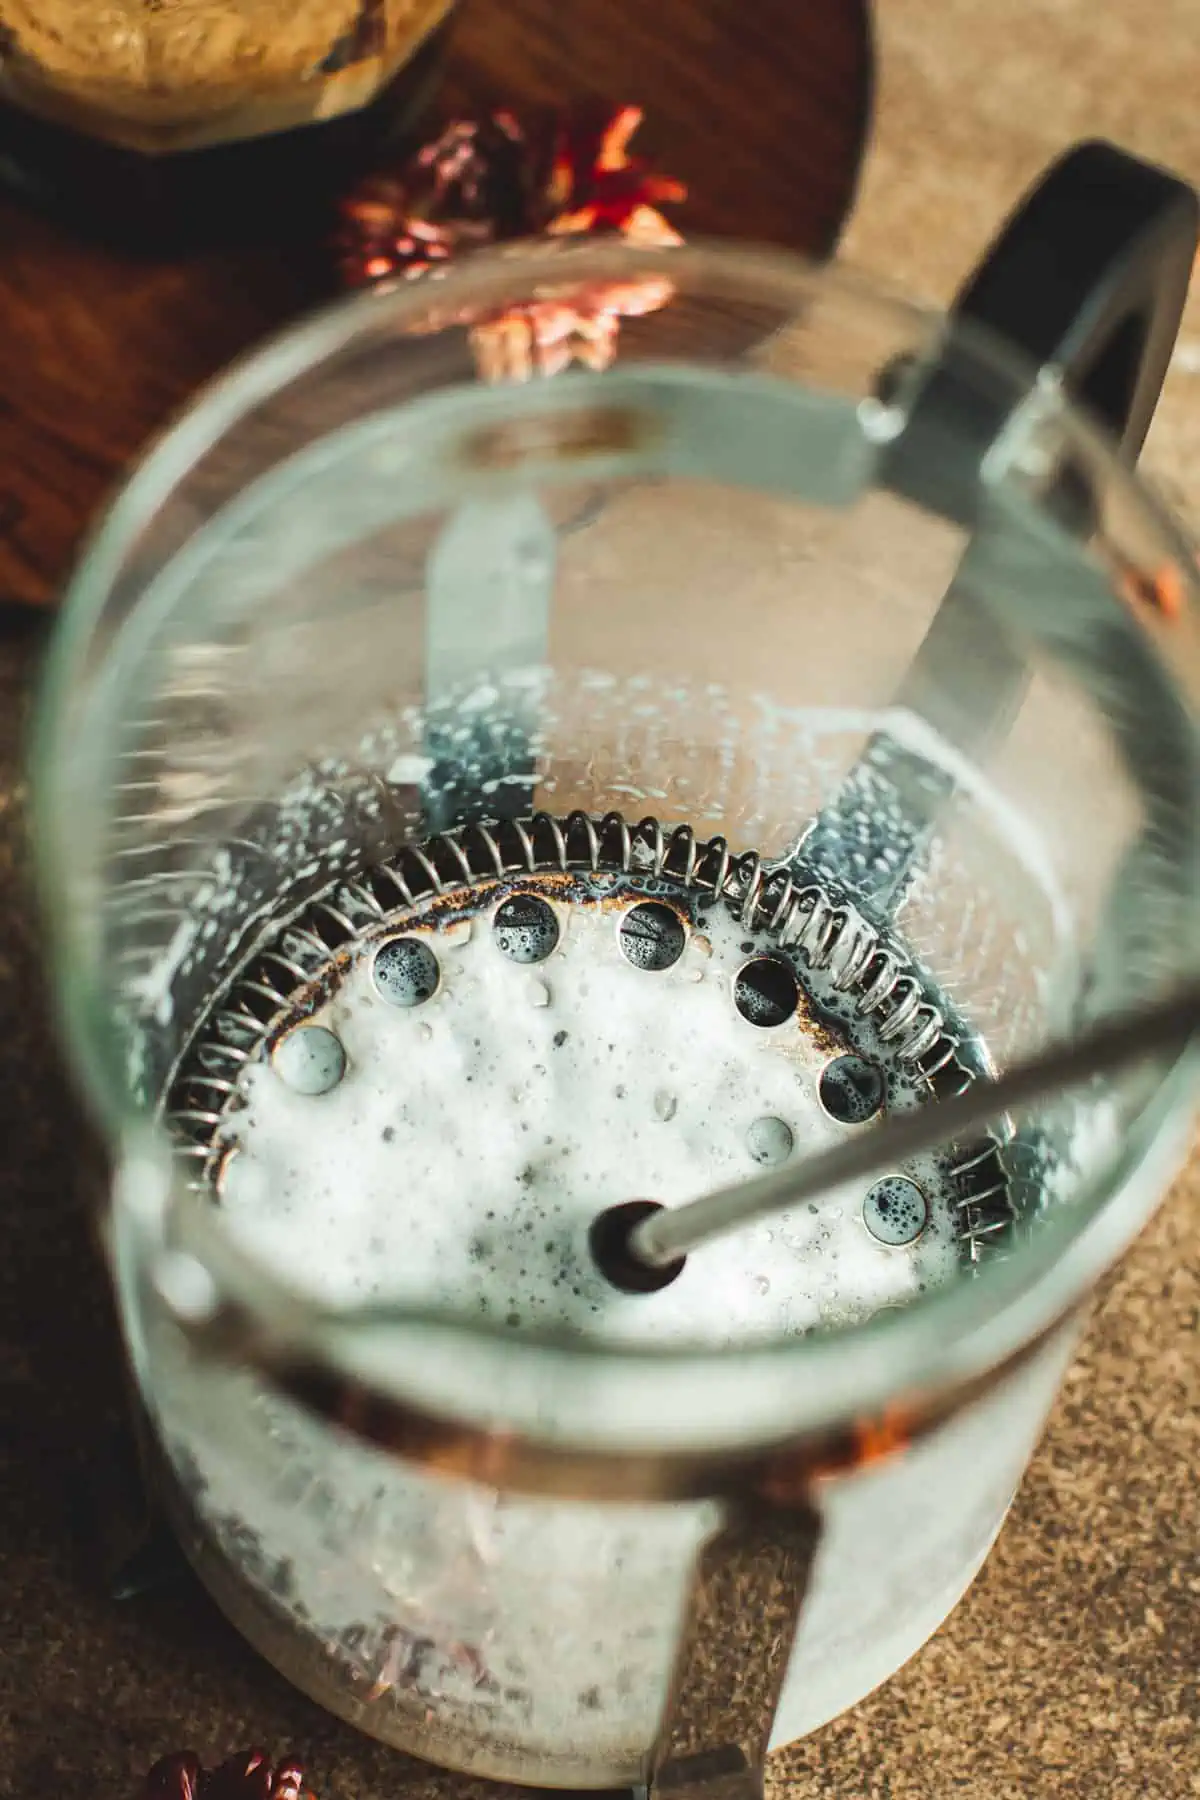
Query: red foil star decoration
x,y
249,1775
595,185
493,180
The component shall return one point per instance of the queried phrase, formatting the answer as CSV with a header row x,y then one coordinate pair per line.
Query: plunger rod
x,y
1163,1029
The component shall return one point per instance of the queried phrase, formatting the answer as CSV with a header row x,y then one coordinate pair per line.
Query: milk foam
x,y
473,1138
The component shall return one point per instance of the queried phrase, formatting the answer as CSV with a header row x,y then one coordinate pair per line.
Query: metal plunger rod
x,y
667,1235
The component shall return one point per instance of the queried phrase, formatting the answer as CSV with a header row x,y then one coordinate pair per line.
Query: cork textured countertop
x,y
1072,1668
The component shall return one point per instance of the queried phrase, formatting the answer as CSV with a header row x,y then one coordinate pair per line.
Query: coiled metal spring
x,y
829,936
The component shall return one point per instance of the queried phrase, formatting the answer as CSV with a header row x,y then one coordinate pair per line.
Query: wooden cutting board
x,y
761,106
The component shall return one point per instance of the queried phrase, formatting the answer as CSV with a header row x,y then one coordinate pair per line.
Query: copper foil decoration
x,y
494,180
1158,590
248,1775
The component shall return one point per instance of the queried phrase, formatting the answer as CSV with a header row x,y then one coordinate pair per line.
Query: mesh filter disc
x,y
427,1082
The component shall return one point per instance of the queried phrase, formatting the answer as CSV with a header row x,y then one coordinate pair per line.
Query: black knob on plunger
x,y
612,1251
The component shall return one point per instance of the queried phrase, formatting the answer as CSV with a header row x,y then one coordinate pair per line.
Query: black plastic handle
x,y
1089,276
1086,280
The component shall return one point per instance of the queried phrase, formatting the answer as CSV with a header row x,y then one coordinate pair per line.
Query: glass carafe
x,y
796,668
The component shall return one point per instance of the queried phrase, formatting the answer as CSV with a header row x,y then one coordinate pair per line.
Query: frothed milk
x,y
470,1140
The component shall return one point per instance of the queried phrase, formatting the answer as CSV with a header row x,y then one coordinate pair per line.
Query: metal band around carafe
x,y
251,1328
